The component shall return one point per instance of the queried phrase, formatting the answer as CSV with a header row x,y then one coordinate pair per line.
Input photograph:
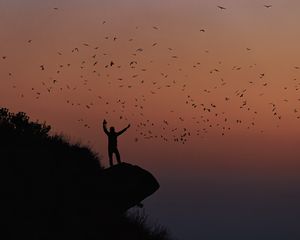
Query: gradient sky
x,y
229,91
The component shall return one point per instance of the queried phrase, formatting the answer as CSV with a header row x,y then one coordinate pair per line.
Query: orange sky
x,y
271,35
247,53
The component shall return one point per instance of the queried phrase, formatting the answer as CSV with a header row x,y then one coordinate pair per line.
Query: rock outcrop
x,y
126,185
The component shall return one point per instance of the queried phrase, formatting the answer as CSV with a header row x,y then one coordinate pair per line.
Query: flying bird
x,y
222,8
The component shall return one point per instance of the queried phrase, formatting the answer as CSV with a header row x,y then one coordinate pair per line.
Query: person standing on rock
x,y
112,142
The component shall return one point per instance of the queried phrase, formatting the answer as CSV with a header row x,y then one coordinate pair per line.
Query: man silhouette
x,y
112,142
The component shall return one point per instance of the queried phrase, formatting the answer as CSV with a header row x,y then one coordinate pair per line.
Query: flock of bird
x,y
126,90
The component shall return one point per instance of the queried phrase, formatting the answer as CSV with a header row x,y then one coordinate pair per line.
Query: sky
x,y
212,96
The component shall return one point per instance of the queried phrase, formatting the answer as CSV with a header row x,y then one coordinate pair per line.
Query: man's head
x,y
112,129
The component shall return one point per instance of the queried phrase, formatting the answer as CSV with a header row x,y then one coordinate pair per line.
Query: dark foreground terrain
x,y
52,189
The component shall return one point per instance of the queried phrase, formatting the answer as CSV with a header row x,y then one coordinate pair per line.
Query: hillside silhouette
x,y
53,189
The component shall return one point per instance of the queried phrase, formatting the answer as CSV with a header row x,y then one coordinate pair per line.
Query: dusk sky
x,y
211,89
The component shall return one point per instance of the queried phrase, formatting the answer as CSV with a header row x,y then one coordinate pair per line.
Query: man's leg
x,y
110,156
118,155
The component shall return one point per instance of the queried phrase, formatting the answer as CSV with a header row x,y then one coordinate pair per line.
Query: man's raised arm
x,y
119,133
104,127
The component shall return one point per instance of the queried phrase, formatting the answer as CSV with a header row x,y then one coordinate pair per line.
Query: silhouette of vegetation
x,y
139,220
52,189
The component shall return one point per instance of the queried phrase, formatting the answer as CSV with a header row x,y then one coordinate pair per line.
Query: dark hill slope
x,y
52,189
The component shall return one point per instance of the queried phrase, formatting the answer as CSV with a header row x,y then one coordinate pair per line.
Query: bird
x,y
261,75
222,8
